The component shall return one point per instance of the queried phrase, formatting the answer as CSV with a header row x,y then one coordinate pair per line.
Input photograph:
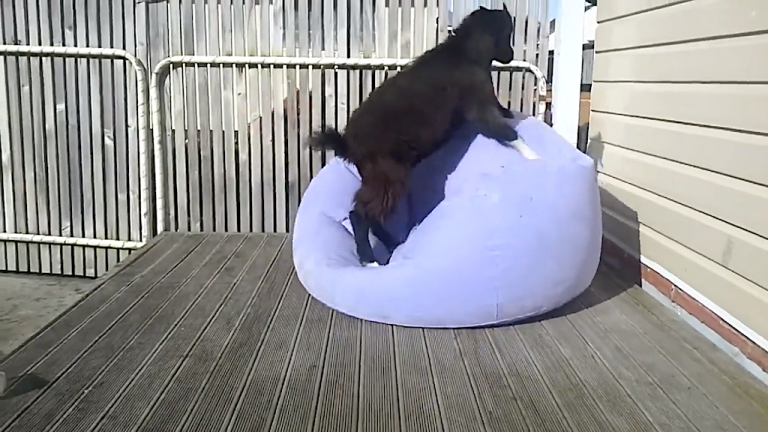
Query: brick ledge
x,y
631,267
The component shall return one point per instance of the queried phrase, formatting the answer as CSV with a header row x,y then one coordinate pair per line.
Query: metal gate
x,y
73,203
276,169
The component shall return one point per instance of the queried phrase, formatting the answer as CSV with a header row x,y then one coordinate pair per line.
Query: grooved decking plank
x,y
116,353
298,402
647,393
153,376
170,409
496,398
537,403
735,405
616,404
121,310
337,408
573,396
455,395
215,333
418,405
704,350
265,375
206,262
223,389
29,354
679,389
378,380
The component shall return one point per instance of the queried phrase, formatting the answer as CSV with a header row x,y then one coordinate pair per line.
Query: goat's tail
x,y
329,139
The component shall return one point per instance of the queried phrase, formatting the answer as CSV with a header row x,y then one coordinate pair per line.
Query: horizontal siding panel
x,y
734,201
741,298
736,154
699,19
611,9
731,106
739,251
731,60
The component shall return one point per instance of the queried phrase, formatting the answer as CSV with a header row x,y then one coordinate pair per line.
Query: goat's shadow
x,y
429,178
26,383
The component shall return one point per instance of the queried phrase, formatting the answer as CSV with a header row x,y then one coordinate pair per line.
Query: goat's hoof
x,y
371,264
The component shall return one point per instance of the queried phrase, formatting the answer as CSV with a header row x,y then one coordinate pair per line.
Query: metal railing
x,y
162,69
151,93
146,208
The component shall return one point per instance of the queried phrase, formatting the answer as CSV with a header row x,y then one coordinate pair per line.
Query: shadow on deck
x,y
214,332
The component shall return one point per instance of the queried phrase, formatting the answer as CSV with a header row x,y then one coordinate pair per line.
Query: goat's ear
x,y
505,8
483,8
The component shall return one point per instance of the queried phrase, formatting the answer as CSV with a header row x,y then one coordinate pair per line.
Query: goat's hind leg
x,y
389,241
382,185
361,226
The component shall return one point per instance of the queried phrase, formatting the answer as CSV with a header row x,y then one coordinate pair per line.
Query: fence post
x,y
566,78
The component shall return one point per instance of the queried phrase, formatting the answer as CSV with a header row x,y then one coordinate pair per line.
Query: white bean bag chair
x,y
492,235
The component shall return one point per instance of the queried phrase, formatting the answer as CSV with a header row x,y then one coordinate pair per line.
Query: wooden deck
x,y
214,332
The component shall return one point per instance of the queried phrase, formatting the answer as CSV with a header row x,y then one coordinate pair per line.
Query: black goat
x,y
411,115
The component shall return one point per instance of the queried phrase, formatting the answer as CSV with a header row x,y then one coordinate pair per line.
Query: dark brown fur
x,y
410,115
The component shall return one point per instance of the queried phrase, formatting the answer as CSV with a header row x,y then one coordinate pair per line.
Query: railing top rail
x,y
341,62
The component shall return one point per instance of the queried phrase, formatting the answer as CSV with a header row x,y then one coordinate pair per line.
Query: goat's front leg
x,y
488,117
482,107
506,113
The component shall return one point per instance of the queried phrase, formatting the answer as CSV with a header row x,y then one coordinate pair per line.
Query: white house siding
x,y
679,127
